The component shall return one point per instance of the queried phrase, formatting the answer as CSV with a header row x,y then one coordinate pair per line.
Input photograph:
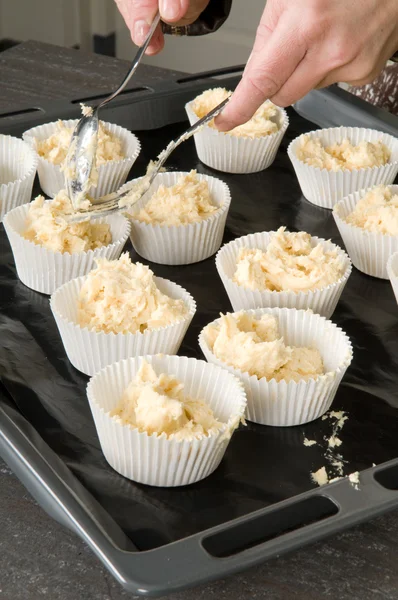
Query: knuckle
x,y
342,52
317,22
263,31
314,31
263,83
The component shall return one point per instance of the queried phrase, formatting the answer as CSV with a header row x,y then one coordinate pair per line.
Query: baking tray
x,y
260,502
162,103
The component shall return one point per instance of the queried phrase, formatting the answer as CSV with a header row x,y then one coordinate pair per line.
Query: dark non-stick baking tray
x,y
261,501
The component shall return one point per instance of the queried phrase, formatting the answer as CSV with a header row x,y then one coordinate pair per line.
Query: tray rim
x,y
188,563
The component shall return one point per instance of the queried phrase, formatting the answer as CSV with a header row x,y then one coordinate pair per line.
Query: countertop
x,y
41,559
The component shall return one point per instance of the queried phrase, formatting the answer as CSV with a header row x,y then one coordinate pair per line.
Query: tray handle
x,y
264,534
221,551
307,517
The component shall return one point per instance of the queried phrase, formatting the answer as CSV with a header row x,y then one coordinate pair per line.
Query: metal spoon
x,y
117,201
80,160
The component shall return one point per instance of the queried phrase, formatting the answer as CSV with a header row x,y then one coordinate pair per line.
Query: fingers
x,y
332,60
306,77
358,72
138,15
274,58
172,11
193,11
157,42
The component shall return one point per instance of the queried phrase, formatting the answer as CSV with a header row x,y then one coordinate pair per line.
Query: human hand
x,y
309,44
139,14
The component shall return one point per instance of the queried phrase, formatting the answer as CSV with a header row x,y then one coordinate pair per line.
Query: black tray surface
x,y
262,465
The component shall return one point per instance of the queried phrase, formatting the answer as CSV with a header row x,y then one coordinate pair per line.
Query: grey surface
x,y
40,559
36,71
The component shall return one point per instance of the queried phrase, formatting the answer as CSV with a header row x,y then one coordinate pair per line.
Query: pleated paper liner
x,y
18,163
44,270
89,350
156,460
369,251
233,154
324,188
111,175
181,244
284,404
322,300
392,270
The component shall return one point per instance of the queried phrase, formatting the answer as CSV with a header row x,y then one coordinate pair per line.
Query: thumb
x,y
172,11
138,16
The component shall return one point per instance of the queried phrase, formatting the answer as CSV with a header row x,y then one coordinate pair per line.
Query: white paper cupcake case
x,y
233,154
322,301
156,460
368,251
43,270
111,175
284,404
89,350
324,188
392,270
181,244
18,163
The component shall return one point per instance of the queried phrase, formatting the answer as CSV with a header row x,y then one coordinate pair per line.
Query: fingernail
x,y
141,29
170,9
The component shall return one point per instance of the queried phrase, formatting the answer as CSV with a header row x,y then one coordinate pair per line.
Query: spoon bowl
x,y
80,171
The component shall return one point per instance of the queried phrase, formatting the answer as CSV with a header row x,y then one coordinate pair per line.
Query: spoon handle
x,y
203,121
135,63
163,156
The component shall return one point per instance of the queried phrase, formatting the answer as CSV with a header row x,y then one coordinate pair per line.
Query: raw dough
x,y
255,346
377,211
342,156
289,263
55,148
320,477
258,126
120,296
48,226
156,404
188,201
